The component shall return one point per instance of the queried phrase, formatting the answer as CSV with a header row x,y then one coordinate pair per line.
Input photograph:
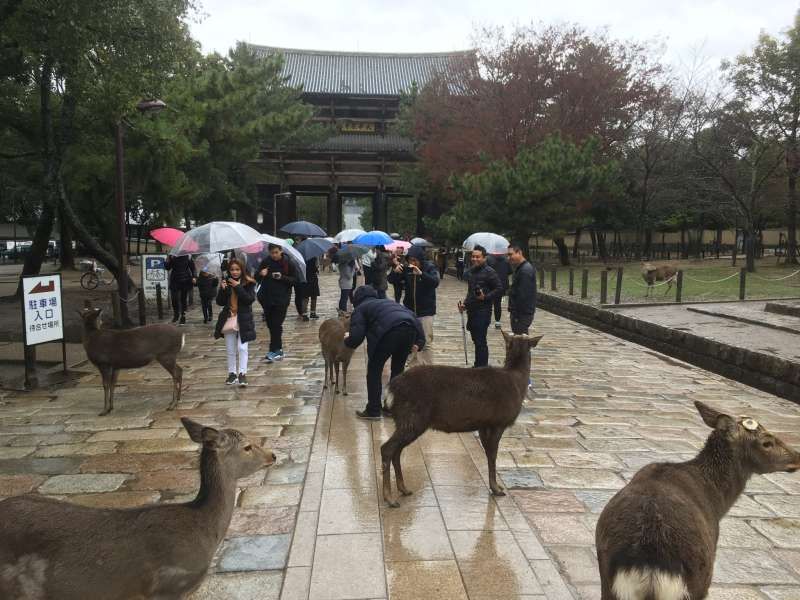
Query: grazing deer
x,y
111,350
657,537
335,353
54,549
455,399
652,273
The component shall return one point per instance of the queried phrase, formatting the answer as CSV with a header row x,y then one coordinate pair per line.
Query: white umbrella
x,y
494,244
213,261
294,256
348,235
216,236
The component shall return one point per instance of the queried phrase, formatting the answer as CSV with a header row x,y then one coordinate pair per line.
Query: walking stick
x,y
464,334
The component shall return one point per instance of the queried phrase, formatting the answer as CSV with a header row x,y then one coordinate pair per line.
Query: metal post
x,y
572,282
742,281
679,287
541,278
122,278
618,290
585,284
604,287
553,276
142,308
159,302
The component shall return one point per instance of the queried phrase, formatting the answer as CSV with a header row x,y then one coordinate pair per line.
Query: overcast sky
x,y
721,28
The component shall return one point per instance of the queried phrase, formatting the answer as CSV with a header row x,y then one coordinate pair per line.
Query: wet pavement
x,y
314,526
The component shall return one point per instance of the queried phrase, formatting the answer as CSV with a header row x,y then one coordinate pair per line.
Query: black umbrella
x,y
351,252
313,247
304,228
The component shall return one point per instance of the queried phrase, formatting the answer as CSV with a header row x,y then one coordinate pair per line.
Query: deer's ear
x,y
208,436
713,418
534,341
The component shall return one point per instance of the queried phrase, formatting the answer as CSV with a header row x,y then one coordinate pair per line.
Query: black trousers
x,y
344,296
206,303
398,291
478,326
395,344
299,301
179,299
498,308
520,323
274,315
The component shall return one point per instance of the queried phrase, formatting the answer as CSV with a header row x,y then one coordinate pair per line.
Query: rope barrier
x,y
770,279
685,276
665,282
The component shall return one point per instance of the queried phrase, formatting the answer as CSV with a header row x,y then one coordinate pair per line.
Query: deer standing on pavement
x,y
657,537
334,351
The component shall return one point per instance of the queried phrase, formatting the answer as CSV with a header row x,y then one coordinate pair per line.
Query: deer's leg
x,y
336,365
325,380
171,365
491,443
105,373
388,451
344,377
405,440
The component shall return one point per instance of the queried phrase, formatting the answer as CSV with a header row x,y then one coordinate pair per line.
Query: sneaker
x,y
183,320
174,319
497,324
305,318
278,355
314,316
270,357
242,380
231,380
363,414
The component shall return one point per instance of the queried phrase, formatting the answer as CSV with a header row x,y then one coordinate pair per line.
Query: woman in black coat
x,y
308,290
235,323
182,277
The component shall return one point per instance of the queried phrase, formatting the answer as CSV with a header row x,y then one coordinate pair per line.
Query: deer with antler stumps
x,y
112,350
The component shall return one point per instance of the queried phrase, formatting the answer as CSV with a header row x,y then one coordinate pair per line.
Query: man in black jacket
x,y
503,270
392,331
483,286
522,294
421,278
276,275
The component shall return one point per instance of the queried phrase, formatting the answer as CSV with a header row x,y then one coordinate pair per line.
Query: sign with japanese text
x,y
357,127
42,309
154,271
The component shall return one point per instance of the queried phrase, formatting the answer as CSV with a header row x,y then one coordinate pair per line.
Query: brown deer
x,y
54,549
111,350
455,399
335,353
652,273
657,537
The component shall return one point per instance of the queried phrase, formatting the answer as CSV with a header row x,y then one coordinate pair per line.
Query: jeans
x,y
234,343
478,326
498,308
424,356
274,315
395,344
398,292
207,308
520,323
179,299
343,298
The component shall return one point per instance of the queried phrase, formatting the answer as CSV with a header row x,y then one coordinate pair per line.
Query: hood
x,y
362,293
416,252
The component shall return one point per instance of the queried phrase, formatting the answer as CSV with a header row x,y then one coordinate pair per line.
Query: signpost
x,y
42,316
154,272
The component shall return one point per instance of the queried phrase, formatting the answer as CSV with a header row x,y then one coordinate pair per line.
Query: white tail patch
x,y
183,340
639,584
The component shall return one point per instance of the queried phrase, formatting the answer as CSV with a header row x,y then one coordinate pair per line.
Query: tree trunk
x,y
35,258
593,237
577,242
750,250
648,243
563,251
602,250
67,254
791,219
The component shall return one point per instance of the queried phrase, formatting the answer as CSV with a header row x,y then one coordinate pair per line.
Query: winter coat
x,y
380,268
181,272
373,318
502,267
420,290
246,295
275,292
522,293
485,278
346,272
309,288
207,285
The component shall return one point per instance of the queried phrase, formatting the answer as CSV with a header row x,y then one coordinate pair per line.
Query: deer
x,y
457,399
335,353
652,273
111,350
657,537
55,549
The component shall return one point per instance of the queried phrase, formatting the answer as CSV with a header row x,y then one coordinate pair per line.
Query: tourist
x,y
460,265
396,275
207,285
420,282
483,286
500,265
380,268
308,291
276,275
347,271
182,276
236,295
366,266
522,293
391,331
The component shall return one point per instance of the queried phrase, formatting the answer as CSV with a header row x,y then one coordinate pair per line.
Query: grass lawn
x,y
701,281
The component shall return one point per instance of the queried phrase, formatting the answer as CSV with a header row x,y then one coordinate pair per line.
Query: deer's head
x,y
237,454
90,316
760,450
344,319
518,346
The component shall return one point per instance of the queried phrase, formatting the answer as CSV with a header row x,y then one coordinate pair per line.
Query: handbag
x,y
231,325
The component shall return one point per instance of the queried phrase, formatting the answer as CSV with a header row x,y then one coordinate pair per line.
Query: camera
x,y
478,291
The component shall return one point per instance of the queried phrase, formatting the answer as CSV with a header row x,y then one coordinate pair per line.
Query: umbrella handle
x,y
464,335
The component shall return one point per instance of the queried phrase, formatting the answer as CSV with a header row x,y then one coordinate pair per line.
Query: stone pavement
x,y
314,526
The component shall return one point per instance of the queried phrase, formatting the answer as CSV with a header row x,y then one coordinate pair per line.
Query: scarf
x,y
234,301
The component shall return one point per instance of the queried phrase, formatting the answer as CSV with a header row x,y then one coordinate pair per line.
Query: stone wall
x,y
763,371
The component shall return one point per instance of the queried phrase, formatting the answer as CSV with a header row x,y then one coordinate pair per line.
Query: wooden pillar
x,y
379,212
286,210
334,212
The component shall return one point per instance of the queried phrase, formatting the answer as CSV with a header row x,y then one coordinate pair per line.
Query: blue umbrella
x,y
313,247
374,238
304,228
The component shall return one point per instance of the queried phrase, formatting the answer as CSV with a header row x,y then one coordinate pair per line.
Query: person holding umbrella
x,y
347,271
483,286
235,323
182,277
380,268
396,275
420,282
276,275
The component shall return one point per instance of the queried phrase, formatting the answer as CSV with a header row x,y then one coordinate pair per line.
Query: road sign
x,y
42,309
154,271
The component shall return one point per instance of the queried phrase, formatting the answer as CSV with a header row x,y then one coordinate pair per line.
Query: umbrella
x,y
304,228
374,238
398,244
260,250
313,247
166,235
351,252
394,236
348,235
212,260
418,241
216,236
494,244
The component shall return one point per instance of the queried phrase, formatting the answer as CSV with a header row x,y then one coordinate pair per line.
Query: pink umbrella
x,y
166,235
398,244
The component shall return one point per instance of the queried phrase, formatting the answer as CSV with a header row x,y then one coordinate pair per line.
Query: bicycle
x,y
91,279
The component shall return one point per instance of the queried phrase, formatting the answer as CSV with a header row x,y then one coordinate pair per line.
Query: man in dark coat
x,y
503,270
522,294
182,277
276,276
483,286
380,268
392,331
421,278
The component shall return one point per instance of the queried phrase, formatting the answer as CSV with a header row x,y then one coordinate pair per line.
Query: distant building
x,y
358,93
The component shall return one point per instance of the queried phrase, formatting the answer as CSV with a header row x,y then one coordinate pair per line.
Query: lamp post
x,y
275,210
145,106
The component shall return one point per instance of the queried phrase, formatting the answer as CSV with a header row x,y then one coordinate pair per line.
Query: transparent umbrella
x,y
422,242
216,236
348,235
494,244
256,253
